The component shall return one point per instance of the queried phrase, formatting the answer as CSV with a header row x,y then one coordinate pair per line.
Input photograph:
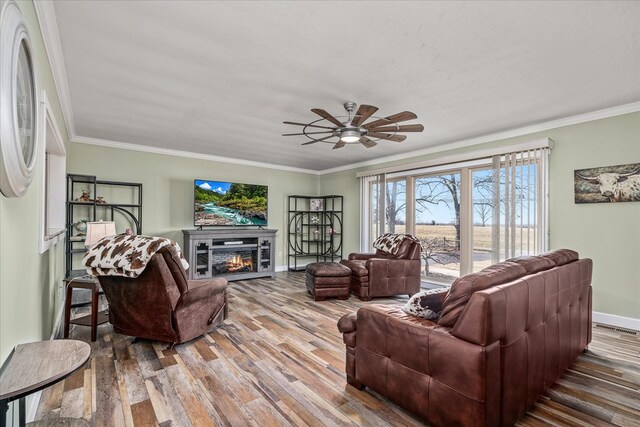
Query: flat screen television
x,y
229,203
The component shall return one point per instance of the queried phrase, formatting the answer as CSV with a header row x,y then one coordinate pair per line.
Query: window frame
x,y
51,149
465,168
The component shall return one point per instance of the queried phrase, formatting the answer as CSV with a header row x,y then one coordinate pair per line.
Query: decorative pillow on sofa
x,y
426,304
390,242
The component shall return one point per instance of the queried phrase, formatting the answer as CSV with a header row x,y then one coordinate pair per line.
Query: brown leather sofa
x,y
383,274
161,304
504,336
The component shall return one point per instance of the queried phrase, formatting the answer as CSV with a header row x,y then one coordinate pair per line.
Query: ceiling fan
x,y
352,129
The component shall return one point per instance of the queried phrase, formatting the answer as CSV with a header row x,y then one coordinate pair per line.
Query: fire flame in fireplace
x,y
237,263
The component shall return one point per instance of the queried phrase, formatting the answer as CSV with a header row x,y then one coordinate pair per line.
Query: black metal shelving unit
x,y
90,210
314,232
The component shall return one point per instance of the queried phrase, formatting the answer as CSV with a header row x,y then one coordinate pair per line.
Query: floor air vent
x,y
614,328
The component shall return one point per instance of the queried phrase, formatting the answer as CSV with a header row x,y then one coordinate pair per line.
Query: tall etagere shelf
x,y
314,230
130,208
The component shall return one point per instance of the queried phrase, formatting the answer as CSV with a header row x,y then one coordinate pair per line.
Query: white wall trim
x,y
615,320
47,121
188,154
465,157
284,268
526,130
51,37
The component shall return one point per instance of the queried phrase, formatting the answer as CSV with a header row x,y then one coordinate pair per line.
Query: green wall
x,y
168,186
28,280
607,233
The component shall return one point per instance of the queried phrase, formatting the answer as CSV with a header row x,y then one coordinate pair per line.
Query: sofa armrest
x,y
202,289
347,323
394,346
482,320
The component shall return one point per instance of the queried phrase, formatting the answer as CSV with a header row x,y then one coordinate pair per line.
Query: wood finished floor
x,y
279,360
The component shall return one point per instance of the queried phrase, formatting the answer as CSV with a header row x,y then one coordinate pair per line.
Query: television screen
x,y
229,203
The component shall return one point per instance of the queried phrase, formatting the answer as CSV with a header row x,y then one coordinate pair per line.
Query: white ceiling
x,y
219,78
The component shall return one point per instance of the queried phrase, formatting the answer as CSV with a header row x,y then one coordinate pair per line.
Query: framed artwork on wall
x,y
608,184
18,102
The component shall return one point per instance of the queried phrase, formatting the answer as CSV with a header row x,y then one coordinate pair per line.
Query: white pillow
x,y
426,304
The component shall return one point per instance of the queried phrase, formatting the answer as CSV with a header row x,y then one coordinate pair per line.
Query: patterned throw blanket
x,y
390,242
125,255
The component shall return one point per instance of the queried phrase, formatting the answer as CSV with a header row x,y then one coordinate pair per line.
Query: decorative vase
x,y
81,226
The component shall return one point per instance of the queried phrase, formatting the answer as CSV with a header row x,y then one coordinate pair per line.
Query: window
x,y
467,215
52,217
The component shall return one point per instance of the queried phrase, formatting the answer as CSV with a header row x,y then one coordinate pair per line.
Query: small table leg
x,y
95,297
67,311
4,407
22,416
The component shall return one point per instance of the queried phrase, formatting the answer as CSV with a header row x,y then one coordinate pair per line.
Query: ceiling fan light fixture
x,y
356,127
350,136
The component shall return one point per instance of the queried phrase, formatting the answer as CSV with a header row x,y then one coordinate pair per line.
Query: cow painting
x,y
608,184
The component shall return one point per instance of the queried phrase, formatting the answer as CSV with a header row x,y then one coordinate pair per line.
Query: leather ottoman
x,y
328,280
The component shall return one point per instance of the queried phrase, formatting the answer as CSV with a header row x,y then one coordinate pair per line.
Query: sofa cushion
x,y
462,289
426,304
533,264
561,256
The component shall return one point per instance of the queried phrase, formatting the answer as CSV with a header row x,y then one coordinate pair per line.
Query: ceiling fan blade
x,y
317,140
327,116
307,133
307,124
340,144
367,142
396,138
403,128
363,113
396,118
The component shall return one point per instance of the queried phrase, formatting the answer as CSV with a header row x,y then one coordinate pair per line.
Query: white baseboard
x,y
281,268
615,320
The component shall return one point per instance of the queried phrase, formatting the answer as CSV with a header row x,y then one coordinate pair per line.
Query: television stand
x,y
235,254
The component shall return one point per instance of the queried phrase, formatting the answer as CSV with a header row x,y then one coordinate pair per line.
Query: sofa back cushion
x,y
533,264
462,289
561,256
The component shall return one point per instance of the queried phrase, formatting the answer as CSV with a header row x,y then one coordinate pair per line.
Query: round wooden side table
x,y
35,366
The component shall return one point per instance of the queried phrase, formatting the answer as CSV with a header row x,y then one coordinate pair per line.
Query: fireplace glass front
x,y
230,260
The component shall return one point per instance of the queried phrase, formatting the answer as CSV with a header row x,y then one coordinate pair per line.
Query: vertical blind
x,y
519,204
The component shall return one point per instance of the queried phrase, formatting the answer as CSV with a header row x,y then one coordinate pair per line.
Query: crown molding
x,y
526,130
633,107
188,154
49,29
51,37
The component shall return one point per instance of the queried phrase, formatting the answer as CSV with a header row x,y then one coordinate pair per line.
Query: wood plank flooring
x,y
279,360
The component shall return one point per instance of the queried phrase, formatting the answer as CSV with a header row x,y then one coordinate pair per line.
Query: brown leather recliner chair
x,y
161,304
384,274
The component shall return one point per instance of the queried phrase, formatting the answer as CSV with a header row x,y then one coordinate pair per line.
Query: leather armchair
x,y
383,274
161,304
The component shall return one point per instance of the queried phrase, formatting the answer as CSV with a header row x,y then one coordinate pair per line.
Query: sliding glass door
x,y
437,225
466,216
